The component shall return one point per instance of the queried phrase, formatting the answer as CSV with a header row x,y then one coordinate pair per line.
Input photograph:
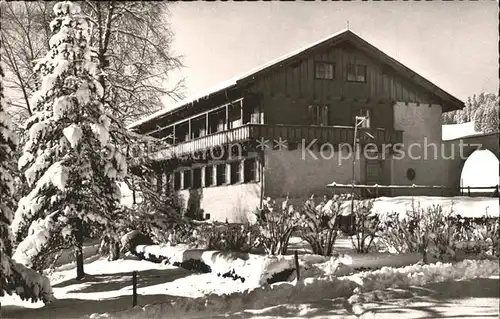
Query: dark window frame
x,y
325,64
177,180
355,72
250,173
235,174
209,176
197,179
221,178
187,173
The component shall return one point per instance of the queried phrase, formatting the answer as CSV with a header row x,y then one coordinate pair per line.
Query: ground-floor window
x,y
197,177
168,184
235,170
250,170
209,175
177,181
221,174
187,179
225,173
159,182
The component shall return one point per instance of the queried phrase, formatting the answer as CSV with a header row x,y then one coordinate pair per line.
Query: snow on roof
x,y
232,81
454,131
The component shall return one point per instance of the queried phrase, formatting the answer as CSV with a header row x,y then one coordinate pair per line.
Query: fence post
x,y
297,265
134,288
376,191
468,191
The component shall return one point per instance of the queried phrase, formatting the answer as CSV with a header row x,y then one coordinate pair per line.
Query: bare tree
x,y
25,32
133,45
132,42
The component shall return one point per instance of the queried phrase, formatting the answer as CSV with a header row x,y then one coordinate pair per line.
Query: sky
x,y
453,44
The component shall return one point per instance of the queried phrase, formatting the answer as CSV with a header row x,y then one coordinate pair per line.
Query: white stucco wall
x,y
236,203
422,128
298,173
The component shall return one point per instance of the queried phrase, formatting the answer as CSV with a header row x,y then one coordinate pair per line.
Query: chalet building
x,y
287,128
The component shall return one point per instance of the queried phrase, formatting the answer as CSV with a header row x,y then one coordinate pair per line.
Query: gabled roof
x,y
344,35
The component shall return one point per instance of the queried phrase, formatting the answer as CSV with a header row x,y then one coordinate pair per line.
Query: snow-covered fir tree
x,y
14,277
71,159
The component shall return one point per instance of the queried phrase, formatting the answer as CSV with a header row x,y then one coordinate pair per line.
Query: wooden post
x,y
376,191
297,265
468,191
190,137
134,288
173,135
207,131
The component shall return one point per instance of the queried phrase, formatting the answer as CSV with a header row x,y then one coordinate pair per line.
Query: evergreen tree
x,y
488,115
71,159
14,277
482,109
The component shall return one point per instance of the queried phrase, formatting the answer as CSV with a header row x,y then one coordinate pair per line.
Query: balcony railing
x,y
291,133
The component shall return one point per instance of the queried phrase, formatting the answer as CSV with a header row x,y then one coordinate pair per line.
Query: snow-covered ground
x,y
460,205
108,289
464,206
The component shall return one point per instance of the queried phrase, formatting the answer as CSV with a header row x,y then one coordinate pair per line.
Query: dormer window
x,y
356,73
325,71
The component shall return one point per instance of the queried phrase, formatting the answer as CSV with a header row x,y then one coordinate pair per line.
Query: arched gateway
x,y
463,147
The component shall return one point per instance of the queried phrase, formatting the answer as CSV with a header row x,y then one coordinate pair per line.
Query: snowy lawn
x,y
108,288
348,295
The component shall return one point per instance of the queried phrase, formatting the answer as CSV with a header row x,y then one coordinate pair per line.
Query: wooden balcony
x,y
291,133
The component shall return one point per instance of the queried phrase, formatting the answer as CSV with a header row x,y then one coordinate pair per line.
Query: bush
x,y
226,237
427,231
365,226
479,235
318,224
276,224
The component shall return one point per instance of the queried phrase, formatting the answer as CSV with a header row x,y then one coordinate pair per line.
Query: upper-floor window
x,y
235,114
318,115
324,70
356,73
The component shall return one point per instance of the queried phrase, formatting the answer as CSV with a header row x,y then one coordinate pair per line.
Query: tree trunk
x,y
79,249
114,250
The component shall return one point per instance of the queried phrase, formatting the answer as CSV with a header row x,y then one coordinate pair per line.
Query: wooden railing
x,y
290,133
